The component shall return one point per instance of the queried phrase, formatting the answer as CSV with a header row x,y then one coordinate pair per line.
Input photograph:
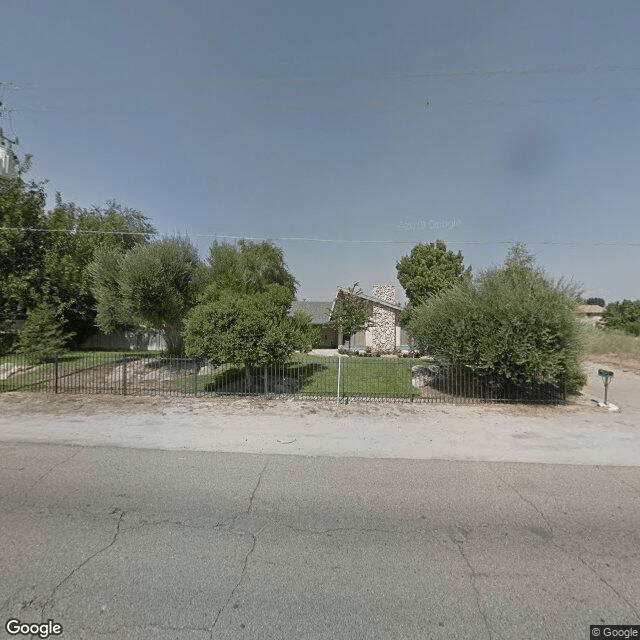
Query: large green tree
x,y
150,287
44,256
513,321
429,269
74,236
22,239
247,329
249,267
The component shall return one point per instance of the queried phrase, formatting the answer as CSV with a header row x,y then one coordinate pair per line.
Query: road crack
x,y
459,545
82,564
255,489
529,502
254,537
238,583
576,553
47,472
351,529
608,584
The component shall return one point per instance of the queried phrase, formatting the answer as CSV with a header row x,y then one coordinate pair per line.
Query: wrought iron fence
x,y
342,379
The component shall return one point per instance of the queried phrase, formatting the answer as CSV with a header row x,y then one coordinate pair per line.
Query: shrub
x,y
623,315
513,321
42,336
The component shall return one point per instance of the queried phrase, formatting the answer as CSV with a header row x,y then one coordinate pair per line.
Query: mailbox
x,y
606,378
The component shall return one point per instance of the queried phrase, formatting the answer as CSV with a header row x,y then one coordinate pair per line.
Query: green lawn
x,y
85,371
42,376
316,375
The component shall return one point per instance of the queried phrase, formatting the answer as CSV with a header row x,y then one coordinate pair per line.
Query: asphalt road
x,y
144,544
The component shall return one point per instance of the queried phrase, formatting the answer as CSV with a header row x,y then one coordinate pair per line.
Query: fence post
x,y
410,381
195,377
338,394
124,376
56,372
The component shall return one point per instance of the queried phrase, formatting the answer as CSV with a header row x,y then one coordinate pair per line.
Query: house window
x,y
406,340
360,340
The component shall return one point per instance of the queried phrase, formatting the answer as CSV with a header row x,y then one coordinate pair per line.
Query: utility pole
x,y
8,159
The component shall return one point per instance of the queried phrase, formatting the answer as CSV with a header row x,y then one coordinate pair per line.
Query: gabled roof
x,y
590,308
396,306
319,310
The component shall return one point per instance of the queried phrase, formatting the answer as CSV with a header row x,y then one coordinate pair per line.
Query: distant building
x,y
8,159
590,314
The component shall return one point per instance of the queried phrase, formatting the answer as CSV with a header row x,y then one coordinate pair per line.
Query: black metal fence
x,y
341,379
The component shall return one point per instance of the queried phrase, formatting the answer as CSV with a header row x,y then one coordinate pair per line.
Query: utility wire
x,y
320,240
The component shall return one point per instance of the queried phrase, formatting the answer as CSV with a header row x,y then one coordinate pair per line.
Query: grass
x,y
318,375
41,375
599,341
99,372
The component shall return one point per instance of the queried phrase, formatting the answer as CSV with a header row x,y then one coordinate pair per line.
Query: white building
x,y
8,159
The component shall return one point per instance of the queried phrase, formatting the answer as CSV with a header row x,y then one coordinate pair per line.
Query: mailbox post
x,y
606,378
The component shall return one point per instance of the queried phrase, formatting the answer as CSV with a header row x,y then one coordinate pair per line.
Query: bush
x,y
42,336
623,315
247,329
512,321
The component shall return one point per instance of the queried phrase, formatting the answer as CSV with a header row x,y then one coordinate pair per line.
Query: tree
x,y
150,287
42,336
74,236
351,313
429,269
22,238
247,329
512,321
598,301
623,315
249,267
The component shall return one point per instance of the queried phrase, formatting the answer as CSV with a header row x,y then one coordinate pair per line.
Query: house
x,y
320,312
385,332
591,314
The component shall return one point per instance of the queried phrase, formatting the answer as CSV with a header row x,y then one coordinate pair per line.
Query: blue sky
x,y
476,123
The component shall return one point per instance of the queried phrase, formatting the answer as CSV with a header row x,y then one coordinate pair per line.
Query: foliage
x,y
104,272
249,267
598,301
42,336
513,321
150,287
600,340
21,245
623,315
429,269
351,313
251,329
75,236
44,257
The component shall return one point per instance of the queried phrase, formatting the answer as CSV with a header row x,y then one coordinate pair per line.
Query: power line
x,y
319,240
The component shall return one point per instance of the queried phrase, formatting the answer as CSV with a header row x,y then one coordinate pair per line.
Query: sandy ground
x,y
578,433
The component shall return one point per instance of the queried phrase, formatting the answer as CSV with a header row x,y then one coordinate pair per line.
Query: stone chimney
x,y
386,292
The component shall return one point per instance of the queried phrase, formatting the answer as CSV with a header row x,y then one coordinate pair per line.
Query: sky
x,y
345,132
